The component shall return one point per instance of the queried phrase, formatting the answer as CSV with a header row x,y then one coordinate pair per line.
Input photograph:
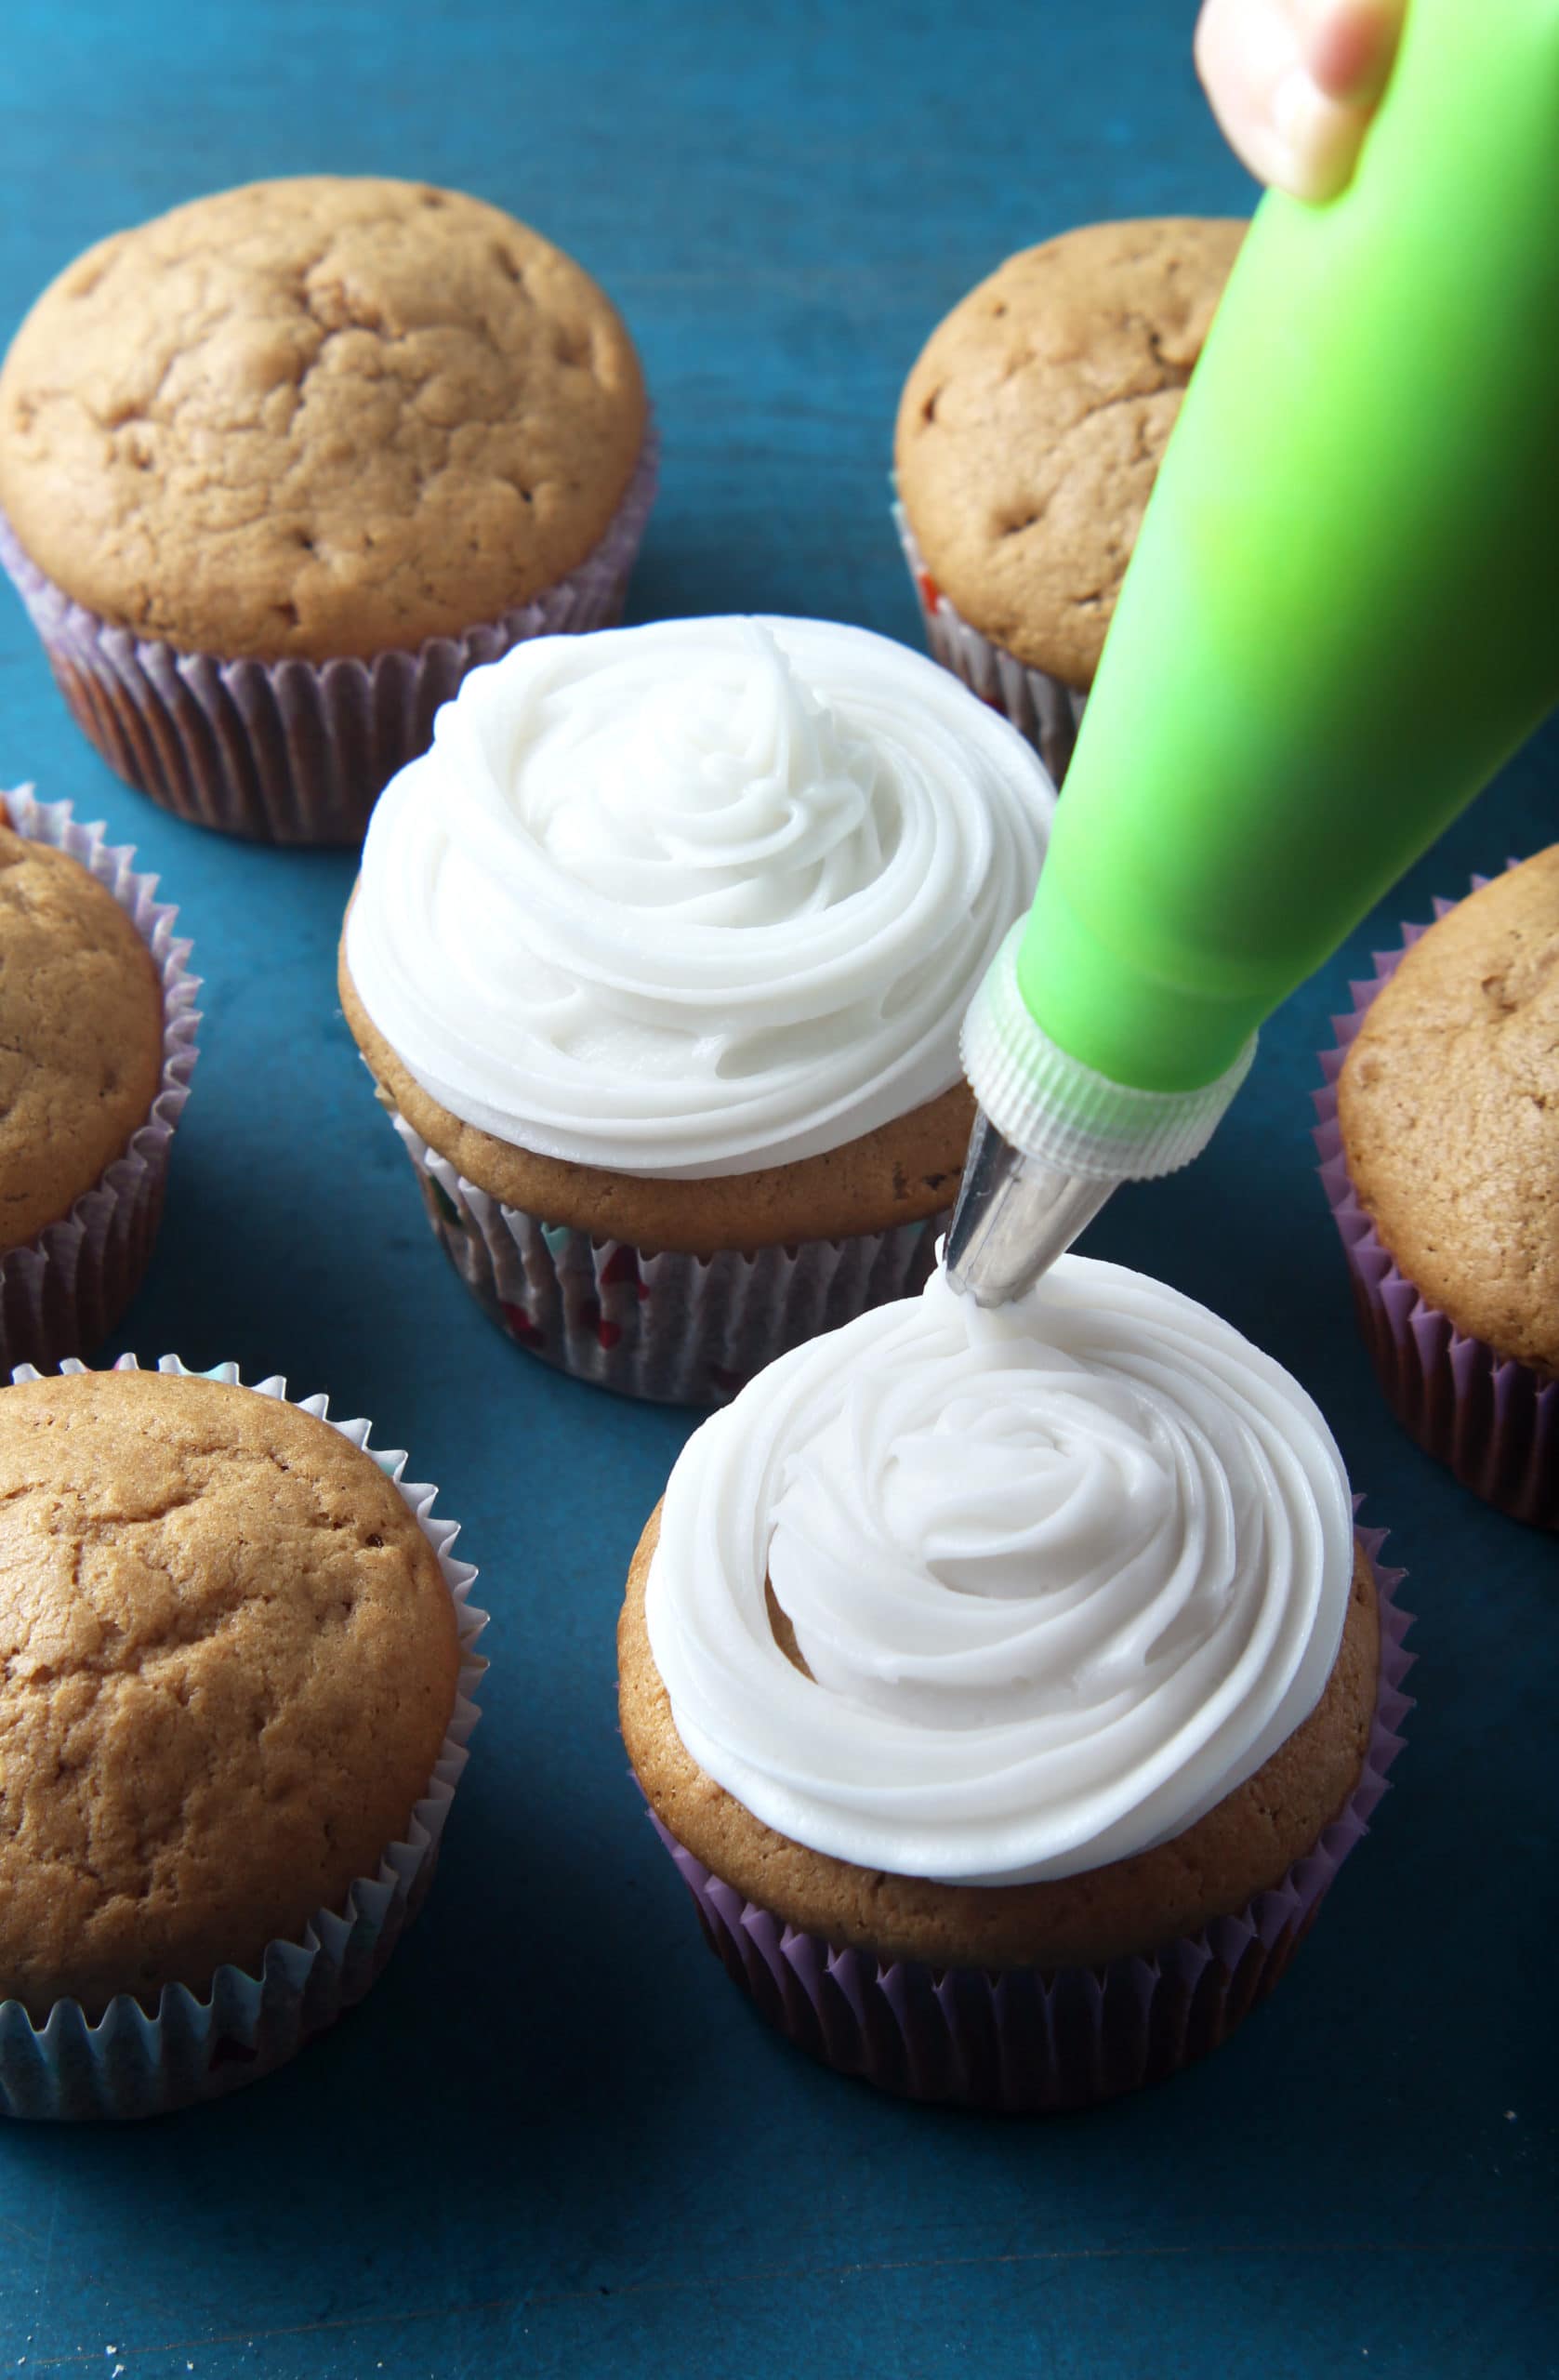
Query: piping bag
x,y
1340,619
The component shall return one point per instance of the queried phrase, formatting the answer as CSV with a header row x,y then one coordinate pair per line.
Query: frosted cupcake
x,y
1008,1686
1440,1140
280,467
659,958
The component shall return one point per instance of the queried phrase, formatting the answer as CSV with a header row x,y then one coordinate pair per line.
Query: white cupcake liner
x,y
1044,708
65,1291
293,751
201,2046
674,1329
1493,1421
1029,2040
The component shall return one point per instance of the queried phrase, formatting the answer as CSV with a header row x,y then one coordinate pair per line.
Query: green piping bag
x,y
1341,617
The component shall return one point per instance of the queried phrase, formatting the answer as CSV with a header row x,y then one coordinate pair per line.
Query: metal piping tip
x,y
1015,1215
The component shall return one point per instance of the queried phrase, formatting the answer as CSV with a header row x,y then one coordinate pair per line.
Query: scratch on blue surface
x,y
535,2301
44,2283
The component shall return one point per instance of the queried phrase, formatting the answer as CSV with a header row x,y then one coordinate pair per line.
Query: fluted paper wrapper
x,y
1492,1421
65,1291
192,2047
1029,2042
673,1329
1044,708
293,751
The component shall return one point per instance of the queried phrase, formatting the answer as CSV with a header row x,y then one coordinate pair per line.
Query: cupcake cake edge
x,y
294,751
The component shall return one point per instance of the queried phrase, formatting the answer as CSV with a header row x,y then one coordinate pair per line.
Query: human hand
x,y
1294,83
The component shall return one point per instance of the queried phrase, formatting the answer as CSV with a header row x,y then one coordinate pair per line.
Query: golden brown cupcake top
x,y
320,416
1448,1104
1243,1845
81,1034
230,1663
1031,429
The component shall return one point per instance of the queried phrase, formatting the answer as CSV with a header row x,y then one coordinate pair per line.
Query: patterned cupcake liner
x,y
1044,708
65,1290
293,751
1032,2041
133,2063
1492,1421
676,1330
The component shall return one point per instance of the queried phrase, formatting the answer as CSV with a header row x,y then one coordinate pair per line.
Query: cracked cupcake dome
x,y
231,1659
81,1035
1032,426
1448,1109
317,418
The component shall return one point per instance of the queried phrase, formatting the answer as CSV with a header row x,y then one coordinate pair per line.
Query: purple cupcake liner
x,y
1028,2041
65,1290
293,751
197,2046
673,1329
1492,1421
1043,708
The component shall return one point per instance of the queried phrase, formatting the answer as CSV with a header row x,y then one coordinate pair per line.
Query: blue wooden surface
x,y
555,2139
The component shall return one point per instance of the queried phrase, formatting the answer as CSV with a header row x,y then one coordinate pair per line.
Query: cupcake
x,y
277,469
96,1047
1008,1686
1439,1137
1029,436
238,1658
658,959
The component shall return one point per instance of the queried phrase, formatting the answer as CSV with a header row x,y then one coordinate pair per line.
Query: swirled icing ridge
x,y
1064,1574
698,897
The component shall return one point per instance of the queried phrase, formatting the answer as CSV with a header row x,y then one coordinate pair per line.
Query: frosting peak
x,y
1064,1575
698,897
740,802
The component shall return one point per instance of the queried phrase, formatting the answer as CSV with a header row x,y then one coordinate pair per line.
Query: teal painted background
x,y
555,2140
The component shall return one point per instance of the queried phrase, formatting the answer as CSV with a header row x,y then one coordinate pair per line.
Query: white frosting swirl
x,y
698,897
1064,1574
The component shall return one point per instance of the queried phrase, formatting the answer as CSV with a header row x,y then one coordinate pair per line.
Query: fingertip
x,y
1350,48
1317,141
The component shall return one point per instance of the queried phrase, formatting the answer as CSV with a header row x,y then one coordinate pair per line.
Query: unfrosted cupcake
x,y
277,469
1440,1149
234,1710
1029,436
1009,1686
659,958
97,1048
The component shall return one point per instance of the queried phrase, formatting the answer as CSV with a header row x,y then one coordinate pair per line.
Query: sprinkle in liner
x,y
65,1290
1493,1421
132,2062
675,1329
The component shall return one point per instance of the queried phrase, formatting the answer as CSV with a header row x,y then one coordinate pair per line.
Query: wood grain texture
x,y
554,2140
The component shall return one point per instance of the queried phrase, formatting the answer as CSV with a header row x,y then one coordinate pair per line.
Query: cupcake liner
x,y
195,2046
65,1290
1044,708
1028,2042
293,751
1492,1421
677,1329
